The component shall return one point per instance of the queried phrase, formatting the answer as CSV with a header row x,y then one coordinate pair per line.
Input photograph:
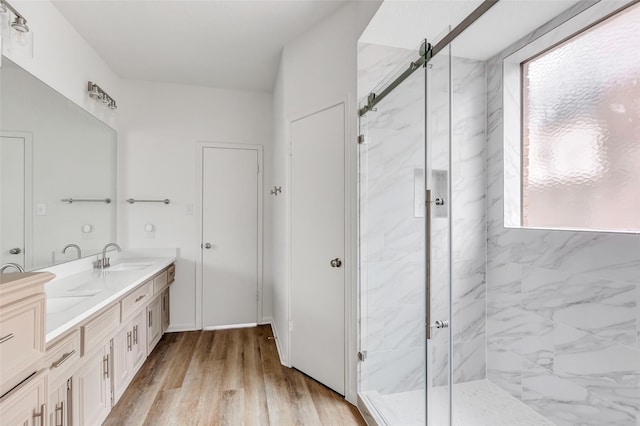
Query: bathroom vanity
x,y
70,346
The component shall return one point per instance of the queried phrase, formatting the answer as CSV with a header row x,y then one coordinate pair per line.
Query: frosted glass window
x,y
581,130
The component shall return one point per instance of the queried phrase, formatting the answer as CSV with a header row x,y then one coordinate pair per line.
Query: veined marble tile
x,y
504,288
602,307
524,333
469,362
396,371
404,327
566,403
610,371
504,368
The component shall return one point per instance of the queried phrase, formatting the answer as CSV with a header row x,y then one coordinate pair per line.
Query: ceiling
x,y
225,44
402,23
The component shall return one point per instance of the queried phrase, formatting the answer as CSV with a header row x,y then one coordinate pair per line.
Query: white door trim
x,y
350,260
200,146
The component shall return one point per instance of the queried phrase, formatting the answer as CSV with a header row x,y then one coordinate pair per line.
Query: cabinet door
x,y
94,387
138,352
122,343
26,405
154,323
60,404
166,318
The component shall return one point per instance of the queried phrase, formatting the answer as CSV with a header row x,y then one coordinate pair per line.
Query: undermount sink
x,y
59,304
127,266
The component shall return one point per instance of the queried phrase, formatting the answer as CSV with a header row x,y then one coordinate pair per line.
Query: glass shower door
x,y
438,239
405,238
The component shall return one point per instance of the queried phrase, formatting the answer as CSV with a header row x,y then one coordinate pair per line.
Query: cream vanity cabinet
x,y
114,345
23,380
61,358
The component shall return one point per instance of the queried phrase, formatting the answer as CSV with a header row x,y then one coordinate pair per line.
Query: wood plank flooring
x,y
226,377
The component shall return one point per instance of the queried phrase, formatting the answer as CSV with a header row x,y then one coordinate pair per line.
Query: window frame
x,y
513,109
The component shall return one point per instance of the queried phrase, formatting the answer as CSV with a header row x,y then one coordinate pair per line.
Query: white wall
x,y
64,60
160,125
317,69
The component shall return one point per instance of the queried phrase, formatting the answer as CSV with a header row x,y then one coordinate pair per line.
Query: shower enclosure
x,y
422,227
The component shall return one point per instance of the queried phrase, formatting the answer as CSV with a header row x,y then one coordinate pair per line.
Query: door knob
x,y
15,251
440,324
336,263
207,245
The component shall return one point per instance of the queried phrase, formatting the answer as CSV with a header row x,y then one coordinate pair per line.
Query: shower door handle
x,y
427,249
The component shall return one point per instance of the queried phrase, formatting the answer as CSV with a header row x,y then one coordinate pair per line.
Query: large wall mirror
x,y
57,175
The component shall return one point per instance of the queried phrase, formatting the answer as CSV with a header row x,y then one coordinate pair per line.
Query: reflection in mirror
x,y
51,150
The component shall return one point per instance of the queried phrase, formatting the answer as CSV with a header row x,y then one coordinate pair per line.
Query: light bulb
x,y
20,38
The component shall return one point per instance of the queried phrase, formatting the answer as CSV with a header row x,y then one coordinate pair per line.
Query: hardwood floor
x,y
226,377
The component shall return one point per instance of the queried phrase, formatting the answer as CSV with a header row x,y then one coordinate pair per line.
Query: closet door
x,y
230,214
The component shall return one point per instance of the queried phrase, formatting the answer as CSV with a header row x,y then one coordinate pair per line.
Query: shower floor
x,y
478,403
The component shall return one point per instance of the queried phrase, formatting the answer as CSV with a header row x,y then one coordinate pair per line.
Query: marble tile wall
x,y
563,307
392,239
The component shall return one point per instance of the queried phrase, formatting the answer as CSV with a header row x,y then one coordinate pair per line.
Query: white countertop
x,y
75,297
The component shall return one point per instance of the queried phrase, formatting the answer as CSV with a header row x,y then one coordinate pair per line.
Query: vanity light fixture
x,y
19,22
97,94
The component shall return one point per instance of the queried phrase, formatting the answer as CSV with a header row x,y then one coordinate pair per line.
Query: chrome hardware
x,y
440,324
132,201
42,415
11,265
60,409
276,190
438,201
6,338
15,251
336,263
360,139
139,298
104,262
129,341
76,200
362,356
207,245
427,256
135,334
105,365
150,320
75,246
65,357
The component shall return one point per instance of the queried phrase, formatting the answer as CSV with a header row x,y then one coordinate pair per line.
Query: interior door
x,y
317,246
230,237
12,205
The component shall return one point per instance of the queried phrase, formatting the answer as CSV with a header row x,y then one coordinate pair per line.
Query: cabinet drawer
x,y
21,340
160,282
96,331
26,404
171,274
137,299
61,357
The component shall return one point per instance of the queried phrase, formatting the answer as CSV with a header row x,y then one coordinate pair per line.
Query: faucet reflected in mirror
x,y
11,265
104,262
75,246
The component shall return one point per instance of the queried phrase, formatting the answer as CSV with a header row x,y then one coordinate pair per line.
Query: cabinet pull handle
x,y
61,410
42,415
6,338
105,362
129,344
61,361
150,322
135,334
139,298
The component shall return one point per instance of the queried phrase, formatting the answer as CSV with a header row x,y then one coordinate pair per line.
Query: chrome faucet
x,y
11,265
104,262
75,246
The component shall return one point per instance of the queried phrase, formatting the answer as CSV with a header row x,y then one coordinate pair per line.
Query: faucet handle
x,y
105,262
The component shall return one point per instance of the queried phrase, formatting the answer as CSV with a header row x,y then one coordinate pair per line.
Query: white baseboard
x,y
181,327
275,335
230,326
